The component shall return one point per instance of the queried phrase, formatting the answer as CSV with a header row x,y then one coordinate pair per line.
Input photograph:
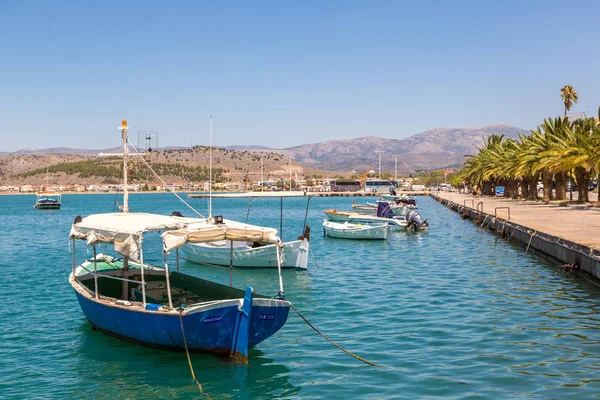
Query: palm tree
x,y
568,96
551,153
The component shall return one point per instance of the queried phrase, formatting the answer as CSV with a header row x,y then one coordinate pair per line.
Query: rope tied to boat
x,y
529,244
332,342
188,355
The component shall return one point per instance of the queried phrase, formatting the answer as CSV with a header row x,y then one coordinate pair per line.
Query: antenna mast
x,y
123,128
210,173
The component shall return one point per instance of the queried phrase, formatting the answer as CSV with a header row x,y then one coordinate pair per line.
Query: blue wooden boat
x,y
137,302
125,297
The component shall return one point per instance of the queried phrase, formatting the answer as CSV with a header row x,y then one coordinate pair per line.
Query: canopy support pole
x,y
168,283
250,202
248,212
142,273
74,258
231,263
95,274
177,258
279,271
281,217
306,213
125,275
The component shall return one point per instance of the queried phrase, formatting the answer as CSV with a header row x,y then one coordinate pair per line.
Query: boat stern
x,y
258,319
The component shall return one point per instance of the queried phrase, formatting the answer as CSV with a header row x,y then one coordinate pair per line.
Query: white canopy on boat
x,y
229,230
125,230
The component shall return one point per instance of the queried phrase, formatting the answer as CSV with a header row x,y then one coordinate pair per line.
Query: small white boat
x,y
394,223
48,201
293,254
355,231
398,209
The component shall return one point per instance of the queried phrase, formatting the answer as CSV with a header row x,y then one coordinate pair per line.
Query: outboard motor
x,y
414,221
392,192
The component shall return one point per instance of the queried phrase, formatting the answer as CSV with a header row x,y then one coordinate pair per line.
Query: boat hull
x,y
47,206
295,255
211,327
393,224
355,231
356,218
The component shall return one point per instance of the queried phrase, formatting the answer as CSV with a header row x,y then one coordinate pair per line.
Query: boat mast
x,y
210,173
123,128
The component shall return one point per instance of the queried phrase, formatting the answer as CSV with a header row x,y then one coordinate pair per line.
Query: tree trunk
x,y
509,188
547,182
532,188
583,178
561,186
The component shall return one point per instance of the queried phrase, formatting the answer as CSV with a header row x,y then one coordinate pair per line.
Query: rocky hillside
x,y
171,165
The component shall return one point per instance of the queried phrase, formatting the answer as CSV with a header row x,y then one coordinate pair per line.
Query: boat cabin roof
x,y
125,231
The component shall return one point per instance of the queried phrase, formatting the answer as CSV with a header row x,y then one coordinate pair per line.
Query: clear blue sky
x,y
286,73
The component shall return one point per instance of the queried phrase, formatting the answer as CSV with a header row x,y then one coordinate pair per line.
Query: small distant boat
x,y
398,209
401,199
394,222
48,201
355,231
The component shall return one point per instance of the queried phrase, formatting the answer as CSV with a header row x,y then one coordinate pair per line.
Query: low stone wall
x,y
564,251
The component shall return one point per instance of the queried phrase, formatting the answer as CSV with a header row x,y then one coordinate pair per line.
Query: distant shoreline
x,y
79,193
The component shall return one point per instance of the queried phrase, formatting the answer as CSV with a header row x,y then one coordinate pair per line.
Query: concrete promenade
x,y
573,223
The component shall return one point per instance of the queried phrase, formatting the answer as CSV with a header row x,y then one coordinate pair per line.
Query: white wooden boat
x,y
355,231
398,209
48,201
293,254
394,223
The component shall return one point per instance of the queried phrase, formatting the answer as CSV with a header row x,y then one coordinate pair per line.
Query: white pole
x,y
74,258
279,269
168,283
210,173
290,174
95,274
262,174
379,152
123,129
396,169
142,272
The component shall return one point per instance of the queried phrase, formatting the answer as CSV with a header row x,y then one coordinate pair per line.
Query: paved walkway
x,y
577,225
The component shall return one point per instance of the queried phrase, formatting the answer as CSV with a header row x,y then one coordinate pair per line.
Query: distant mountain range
x,y
432,149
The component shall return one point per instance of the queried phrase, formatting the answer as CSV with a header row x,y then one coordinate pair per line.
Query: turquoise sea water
x,y
454,312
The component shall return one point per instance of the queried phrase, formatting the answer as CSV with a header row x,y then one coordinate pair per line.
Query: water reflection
x,y
109,367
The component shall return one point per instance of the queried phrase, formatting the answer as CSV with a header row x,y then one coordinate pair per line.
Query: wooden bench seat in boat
x,y
156,292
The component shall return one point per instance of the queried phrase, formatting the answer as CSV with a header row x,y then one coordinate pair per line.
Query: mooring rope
x,y
313,257
485,219
188,355
529,244
332,342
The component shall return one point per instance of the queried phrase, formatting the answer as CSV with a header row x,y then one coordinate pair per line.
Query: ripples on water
x,y
453,312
